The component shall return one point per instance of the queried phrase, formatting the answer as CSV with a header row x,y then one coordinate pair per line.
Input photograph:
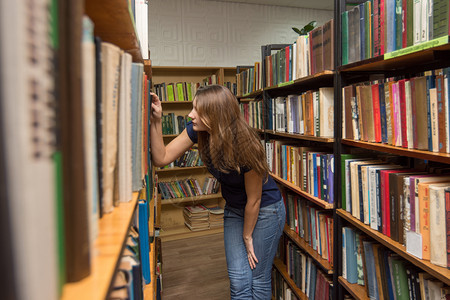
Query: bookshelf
x,y
281,267
408,62
113,231
172,220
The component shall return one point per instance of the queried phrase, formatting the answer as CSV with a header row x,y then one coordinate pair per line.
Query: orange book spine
x,y
424,219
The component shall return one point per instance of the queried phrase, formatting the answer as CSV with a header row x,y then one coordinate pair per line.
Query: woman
x,y
254,212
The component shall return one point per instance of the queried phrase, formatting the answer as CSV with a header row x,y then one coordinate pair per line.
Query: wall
x,y
214,33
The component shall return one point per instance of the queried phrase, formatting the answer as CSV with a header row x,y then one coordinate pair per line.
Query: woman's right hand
x,y
156,108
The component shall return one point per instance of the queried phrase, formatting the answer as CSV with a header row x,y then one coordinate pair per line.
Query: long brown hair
x,y
230,143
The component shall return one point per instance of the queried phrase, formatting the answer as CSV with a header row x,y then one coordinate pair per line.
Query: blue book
x,y
362,31
312,282
324,176
144,240
313,228
390,26
351,255
315,179
384,139
372,287
388,272
431,83
330,178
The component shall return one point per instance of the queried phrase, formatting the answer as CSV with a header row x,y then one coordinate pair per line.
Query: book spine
x,y
447,224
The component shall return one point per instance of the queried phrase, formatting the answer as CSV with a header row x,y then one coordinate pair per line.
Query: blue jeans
x,y
246,283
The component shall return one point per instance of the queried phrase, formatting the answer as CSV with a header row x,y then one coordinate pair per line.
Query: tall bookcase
x,y
172,220
405,63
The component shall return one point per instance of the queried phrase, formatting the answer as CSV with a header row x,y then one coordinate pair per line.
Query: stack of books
x,y
215,217
196,217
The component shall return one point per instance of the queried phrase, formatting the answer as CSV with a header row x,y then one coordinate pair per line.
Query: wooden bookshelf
x,y
357,291
247,99
182,232
251,95
443,274
189,103
178,169
112,233
427,155
170,136
281,267
407,61
323,263
301,136
307,196
190,199
150,289
310,82
114,23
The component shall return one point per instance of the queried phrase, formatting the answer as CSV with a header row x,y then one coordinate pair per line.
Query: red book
x,y
288,65
311,54
401,91
384,201
382,27
447,223
296,214
405,12
376,112
440,90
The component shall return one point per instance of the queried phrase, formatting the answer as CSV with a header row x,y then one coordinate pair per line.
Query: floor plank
x,y
195,268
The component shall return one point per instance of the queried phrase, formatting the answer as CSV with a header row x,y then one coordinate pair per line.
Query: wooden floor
x,y
195,268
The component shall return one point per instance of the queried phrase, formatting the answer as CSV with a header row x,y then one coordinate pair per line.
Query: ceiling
x,y
317,4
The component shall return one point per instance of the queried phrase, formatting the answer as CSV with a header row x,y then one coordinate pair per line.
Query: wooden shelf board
x,y
114,24
184,68
433,156
304,194
318,77
176,102
440,273
190,199
112,233
182,232
302,137
325,264
247,99
251,95
357,291
380,64
281,267
178,169
170,135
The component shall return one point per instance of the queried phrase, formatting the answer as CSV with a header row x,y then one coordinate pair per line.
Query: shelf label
x,y
415,48
285,83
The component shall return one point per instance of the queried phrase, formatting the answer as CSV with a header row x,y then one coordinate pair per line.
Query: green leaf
x,y
296,30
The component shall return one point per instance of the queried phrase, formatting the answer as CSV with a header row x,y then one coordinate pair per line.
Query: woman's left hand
x,y
252,260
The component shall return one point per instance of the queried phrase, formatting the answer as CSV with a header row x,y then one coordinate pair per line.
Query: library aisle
x,y
195,268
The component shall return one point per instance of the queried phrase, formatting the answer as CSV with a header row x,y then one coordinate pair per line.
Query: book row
x,y
174,124
308,168
411,113
187,188
190,158
200,217
310,54
253,113
377,27
313,225
383,273
406,204
302,269
310,113
280,288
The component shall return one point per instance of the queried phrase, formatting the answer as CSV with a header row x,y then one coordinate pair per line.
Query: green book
x,y
440,18
344,30
410,22
189,91
398,25
180,91
400,279
170,92
368,28
282,77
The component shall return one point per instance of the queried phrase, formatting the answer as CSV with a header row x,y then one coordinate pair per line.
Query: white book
x,y
409,117
424,20
326,111
417,11
111,55
124,155
27,96
301,122
438,233
141,9
89,126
